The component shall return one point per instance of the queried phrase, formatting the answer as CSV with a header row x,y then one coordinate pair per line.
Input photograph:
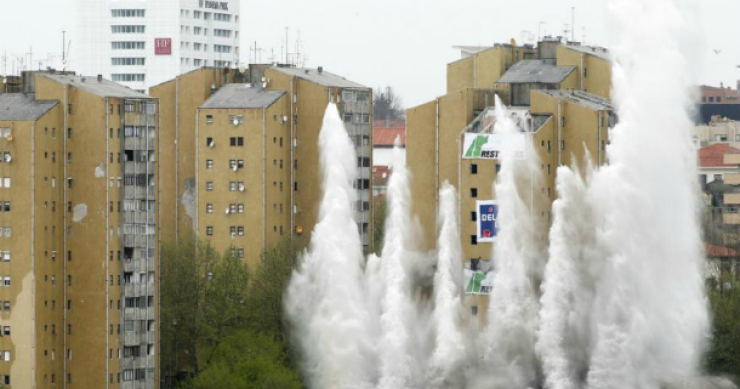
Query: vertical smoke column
x,y
449,354
325,301
398,363
626,257
570,280
518,262
650,314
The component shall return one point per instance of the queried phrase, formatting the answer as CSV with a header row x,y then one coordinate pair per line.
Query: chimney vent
x,y
321,69
100,78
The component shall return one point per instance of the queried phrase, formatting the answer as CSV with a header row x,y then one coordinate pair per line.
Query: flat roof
x,y
585,99
598,52
104,88
19,106
324,78
540,71
242,96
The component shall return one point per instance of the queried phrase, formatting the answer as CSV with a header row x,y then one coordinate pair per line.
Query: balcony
x,y
132,217
140,167
732,198
142,241
138,144
731,218
135,192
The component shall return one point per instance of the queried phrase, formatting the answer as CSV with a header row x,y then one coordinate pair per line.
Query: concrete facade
x,y
87,285
568,118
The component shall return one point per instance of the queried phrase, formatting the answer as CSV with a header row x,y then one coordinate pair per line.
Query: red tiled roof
x,y
719,251
385,133
381,174
714,155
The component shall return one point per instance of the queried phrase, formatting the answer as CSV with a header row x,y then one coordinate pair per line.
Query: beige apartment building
x,y
274,115
558,92
79,234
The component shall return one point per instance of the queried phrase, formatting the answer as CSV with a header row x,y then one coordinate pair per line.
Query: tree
x,y
247,360
724,352
387,105
208,298
380,209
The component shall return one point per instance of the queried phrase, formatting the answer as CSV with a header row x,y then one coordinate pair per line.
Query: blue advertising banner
x,y
487,220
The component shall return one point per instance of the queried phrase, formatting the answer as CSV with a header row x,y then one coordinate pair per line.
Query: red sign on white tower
x,y
163,46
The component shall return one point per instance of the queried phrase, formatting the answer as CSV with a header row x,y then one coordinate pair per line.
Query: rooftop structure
x,y
243,96
23,107
536,71
319,76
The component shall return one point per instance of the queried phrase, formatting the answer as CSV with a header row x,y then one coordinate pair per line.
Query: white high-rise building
x,y
141,43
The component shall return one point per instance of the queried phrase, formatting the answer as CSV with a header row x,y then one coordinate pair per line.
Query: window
x,y
474,240
128,78
222,33
128,13
718,177
222,17
128,61
363,162
473,216
236,119
128,29
6,206
474,310
209,186
209,119
720,137
209,208
221,49
209,164
128,45
474,169
236,141
474,192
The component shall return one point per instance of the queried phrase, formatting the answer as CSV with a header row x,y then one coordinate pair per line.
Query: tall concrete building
x,y
140,43
246,153
557,93
79,234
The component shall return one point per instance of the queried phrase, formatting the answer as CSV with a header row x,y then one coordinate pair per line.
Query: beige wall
x,y
593,73
265,175
482,70
179,100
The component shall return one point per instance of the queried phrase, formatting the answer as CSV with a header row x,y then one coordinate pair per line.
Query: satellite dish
x,y
264,85
8,158
241,188
227,211
236,122
236,167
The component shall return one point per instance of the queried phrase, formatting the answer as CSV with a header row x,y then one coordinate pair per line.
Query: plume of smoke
x,y
518,261
325,300
445,365
623,302
399,360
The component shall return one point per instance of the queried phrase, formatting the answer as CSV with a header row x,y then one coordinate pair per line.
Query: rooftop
x,y
719,251
585,99
386,137
18,106
323,78
104,88
242,96
598,52
714,155
536,71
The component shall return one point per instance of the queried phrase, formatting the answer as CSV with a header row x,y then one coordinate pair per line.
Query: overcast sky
x,y
402,43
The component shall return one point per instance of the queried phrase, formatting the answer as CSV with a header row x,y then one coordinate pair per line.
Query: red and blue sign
x,y
487,220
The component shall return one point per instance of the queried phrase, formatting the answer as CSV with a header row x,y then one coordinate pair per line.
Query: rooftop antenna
x,y
539,31
583,38
64,47
573,24
287,56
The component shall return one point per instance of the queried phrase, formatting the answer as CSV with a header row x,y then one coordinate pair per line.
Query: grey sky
x,y
402,43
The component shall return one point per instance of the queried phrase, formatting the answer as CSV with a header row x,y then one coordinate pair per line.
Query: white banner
x,y
478,282
490,146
